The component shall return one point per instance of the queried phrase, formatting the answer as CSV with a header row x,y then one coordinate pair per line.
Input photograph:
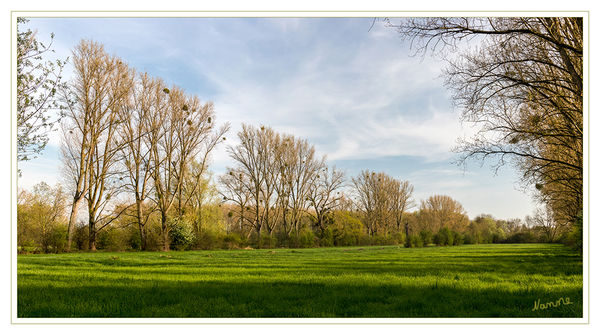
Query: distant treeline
x,y
42,227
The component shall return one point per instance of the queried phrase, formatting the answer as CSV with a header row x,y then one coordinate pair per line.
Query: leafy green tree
x,y
346,228
41,219
38,85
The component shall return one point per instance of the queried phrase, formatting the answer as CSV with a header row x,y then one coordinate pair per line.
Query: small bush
x,y
398,238
326,238
380,240
522,237
80,237
458,238
306,239
414,241
58,239
232,241
444,237
575,236
207,240
468,239
426,236
111,239
364,239
269,241
135,241
181,236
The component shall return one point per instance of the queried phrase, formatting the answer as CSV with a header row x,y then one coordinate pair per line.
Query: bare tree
x,y
441,211
325,194
276,173
180,129
373,192
523,88
100,88
134,153
236,188
400,202
543,218
115,79
256,161
297,169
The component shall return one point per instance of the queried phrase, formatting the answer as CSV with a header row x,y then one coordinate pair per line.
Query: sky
x,y
352,90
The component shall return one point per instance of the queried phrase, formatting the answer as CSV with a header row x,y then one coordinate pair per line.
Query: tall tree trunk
x,y
320,220
72,219
92,235
259,237
165,232
198,222
143,244
140,218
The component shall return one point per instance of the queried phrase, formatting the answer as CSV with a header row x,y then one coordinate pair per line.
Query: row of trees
x,y
279,193
127,135
43,221
278,183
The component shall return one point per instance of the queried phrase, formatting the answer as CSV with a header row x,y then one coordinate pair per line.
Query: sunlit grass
x,y
465,281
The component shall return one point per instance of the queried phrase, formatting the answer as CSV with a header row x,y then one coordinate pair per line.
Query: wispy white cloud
x,y
349,101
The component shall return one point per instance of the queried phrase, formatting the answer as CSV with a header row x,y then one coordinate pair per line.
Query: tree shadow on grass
x,y
284,299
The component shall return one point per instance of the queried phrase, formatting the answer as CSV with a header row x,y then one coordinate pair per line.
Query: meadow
x,y
461,281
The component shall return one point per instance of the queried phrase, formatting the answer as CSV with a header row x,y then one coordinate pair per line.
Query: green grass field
x,y
465,281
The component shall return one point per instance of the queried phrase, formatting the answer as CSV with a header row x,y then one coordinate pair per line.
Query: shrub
x,y
364,239
232,241
111,239
458,238
468,239
306,239
207,240
348,230
80,237
444,237
398,238
326,238
268,241
153,238
522,237
414,241
498,237
347,239
181,236
426,236
380,240
575,236
135,241
57,240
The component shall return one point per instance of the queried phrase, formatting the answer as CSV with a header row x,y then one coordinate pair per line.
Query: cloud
x,y
365,100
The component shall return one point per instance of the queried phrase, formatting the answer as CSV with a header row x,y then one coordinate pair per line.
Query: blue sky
x,y
356,94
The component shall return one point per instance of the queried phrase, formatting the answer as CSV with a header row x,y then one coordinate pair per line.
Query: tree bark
x,y
140,218
92,235
72,219
165,232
